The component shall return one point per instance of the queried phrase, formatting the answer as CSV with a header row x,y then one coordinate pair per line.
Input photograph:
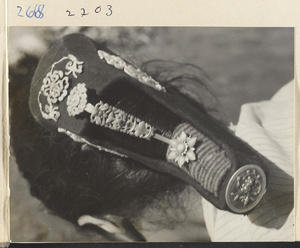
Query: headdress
x,y
78,89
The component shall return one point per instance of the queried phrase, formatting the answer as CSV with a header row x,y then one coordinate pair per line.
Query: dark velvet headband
x,y
76,89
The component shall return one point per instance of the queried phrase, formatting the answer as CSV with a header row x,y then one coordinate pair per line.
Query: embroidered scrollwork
x,y
55,86
52,111
74,66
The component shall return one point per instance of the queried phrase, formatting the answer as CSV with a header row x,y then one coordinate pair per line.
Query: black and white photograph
x,y
151,134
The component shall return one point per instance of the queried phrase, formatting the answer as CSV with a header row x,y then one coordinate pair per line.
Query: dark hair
x,y
71,182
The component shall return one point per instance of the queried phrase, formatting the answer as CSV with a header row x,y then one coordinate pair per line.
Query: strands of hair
x,y
190,81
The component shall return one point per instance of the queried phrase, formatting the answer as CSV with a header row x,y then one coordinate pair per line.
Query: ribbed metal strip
x,y
211,163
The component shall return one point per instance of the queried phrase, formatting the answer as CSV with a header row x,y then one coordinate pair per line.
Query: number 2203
x,y
37,12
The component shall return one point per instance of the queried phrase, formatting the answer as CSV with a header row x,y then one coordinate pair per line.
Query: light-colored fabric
x,y
268,127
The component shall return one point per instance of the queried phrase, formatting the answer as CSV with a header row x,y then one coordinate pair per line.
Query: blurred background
x,y
244,65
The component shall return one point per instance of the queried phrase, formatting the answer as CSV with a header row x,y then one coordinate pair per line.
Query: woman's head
x,y
72,180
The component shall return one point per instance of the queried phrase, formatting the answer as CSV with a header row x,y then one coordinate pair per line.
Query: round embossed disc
x,y
245,188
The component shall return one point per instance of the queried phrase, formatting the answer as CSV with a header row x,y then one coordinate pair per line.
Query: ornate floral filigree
x,y
119,63
248,187
129,125
116,119
77,100
100,113
182,149
142,129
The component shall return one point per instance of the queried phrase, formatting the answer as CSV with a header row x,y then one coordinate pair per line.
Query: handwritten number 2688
x,y
37,12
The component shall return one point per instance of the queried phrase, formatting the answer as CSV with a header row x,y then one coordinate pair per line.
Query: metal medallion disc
x,y
245,188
